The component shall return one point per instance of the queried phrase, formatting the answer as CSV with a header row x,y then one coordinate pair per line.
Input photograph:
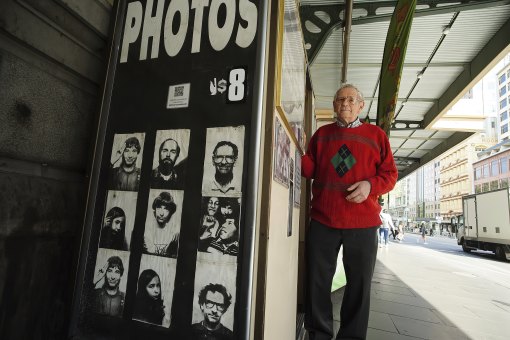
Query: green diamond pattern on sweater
x,y
343,160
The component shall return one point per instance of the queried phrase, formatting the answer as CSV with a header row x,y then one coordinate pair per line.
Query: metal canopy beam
x,y
318,22
453,140
497,47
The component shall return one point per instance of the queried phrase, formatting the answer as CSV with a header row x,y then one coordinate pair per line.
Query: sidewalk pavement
x,y
403,278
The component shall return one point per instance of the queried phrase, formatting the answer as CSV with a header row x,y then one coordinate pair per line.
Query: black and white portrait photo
x,y
118,220
126,161
109,283
223,163
154,293
281,154
170,159
214,301
219,225
163,223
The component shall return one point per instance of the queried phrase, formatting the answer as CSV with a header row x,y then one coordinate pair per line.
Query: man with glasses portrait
x,y
214,301
224,158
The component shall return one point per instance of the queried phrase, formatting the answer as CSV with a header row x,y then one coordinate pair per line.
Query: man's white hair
x,y
347,85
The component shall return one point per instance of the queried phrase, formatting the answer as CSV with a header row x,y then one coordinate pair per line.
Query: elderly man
x,y
352,165
224,158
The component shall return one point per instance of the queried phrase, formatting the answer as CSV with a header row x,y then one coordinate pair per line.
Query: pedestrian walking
x,y
386,225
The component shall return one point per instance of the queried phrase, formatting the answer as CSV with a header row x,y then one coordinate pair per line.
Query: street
x,y
468,293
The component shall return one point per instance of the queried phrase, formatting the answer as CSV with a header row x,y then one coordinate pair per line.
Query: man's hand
x,y
359,192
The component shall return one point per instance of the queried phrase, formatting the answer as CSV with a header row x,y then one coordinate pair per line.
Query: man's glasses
x,y
219,306
228,159
349,99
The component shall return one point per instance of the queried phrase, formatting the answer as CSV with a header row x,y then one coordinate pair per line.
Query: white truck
x,y
486,223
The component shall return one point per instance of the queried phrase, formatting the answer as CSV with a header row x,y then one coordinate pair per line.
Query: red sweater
x,y
339,157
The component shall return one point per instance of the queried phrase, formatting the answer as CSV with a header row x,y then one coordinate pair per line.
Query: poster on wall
x,y
125,161
219,232
171,171
154,290
292,71
118,221
109,283
223,161
281,154
291,198
297,179
170,159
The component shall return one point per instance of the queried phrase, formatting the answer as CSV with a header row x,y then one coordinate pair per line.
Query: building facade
x,y
492,172
456,176
504,101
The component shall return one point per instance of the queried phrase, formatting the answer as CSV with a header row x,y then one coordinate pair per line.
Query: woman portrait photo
x,y
113,232
149,305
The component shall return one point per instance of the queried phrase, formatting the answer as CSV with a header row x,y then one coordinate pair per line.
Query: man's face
x,y
346,105
228,229
154,288
117,224
113,277
162,214
130,155
224,159
213,308
212,206
168,154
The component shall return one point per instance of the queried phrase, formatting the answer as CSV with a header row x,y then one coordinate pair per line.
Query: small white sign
x,y
178,96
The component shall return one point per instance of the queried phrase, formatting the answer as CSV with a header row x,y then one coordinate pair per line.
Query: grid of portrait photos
x,y
161,231
218,236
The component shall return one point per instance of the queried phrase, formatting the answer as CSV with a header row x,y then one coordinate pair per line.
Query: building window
x,y
494,168
502,104
504,165
502,91
485,187
478,173
502,79
503,183
503,116
485,172
478,188
494,185
504,128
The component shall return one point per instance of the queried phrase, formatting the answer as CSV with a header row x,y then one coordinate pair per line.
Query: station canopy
x,y
452,45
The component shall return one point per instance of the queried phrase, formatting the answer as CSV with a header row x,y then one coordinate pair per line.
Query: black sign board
x,y
167,235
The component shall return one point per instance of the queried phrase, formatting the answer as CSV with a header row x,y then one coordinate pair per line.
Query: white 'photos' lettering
x,y
179,11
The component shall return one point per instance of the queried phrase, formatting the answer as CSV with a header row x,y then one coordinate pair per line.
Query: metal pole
x,y
347,35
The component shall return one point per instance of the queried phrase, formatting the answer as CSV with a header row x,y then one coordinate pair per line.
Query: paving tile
x,y
377,334
386,276
416,301
400,309
389,282
381,321
427,330
376,286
